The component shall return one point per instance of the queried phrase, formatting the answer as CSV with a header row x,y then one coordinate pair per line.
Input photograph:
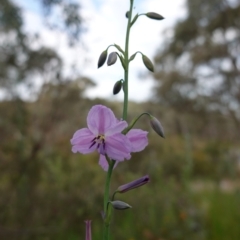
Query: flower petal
x,y
104,163
116,128
138,139
99,119
82,140
118,147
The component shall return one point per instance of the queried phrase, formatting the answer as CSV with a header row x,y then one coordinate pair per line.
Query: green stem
x,y
131,125
106,198
107,185
125,86
125,110
106,232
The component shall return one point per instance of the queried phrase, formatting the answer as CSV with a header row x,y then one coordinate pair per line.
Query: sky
x,y
106,23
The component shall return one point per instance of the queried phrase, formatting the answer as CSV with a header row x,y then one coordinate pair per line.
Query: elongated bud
x,y
147,62
112,58
154,16
119,205
134,184
157,126
88,230
102,58
117,87
127,14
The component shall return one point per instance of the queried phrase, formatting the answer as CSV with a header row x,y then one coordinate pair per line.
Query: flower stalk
x,y
124,117
126,70
114,139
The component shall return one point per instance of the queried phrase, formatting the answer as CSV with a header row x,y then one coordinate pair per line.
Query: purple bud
x,y
117,87
112,58
134,184
157,126
88,230
102,58
119,205
154,16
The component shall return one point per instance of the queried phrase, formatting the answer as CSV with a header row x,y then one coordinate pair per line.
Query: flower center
x,y
100,139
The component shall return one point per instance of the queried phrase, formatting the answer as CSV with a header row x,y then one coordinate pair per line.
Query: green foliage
x,y
47,191
197,65
224,227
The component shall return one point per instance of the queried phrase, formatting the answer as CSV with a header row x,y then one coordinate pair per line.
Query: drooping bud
x,y
112,58
119,205
147,62
117,87
154,16
157,126
134,184
127,14
102,58
88,230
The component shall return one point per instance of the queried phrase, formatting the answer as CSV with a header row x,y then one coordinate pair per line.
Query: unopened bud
x,y
154,16
157,126
117,87
134,184
102,58
88,230
127,14
147,62
119,205
112,58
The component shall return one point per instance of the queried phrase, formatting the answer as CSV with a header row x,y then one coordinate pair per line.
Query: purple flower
x,y
103,134
138,140
134,184
88,230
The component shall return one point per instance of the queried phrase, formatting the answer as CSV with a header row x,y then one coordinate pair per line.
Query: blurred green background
x,y
46,191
